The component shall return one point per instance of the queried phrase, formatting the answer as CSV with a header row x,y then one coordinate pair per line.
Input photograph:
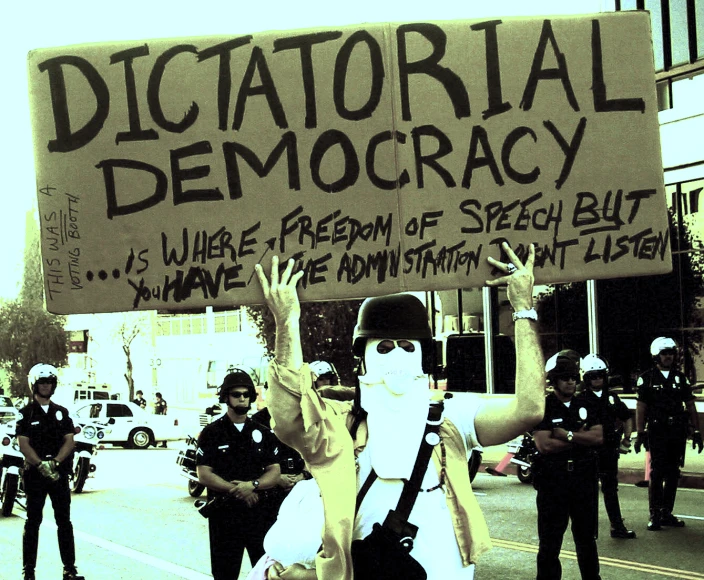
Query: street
x,y
136,520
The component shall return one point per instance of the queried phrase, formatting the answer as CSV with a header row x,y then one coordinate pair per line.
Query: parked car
x,y
8,412
133,426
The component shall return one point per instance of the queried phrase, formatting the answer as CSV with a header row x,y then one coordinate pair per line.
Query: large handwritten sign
x,y
381,157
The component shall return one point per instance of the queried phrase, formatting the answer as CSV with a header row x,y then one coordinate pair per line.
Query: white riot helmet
x,y
661,343
592,367
42,371
325,370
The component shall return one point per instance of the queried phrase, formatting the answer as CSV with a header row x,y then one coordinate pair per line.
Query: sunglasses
x,y
669,351
568,378
239,394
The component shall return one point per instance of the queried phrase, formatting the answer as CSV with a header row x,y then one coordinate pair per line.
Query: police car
x,y
133,426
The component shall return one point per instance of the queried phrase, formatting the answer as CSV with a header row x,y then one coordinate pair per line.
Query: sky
x,y
43,24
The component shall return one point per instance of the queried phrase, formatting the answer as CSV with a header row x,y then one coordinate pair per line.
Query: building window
x,y
179,324
230,321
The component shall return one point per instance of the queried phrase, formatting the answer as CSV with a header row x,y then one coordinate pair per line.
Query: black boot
x,y
72,574
620,531
668,519
28,575
655,523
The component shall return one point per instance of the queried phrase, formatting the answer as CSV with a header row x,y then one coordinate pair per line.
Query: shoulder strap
x,y
397,520
371,478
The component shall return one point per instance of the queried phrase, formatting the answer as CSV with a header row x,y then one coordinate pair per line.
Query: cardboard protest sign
x,y
381,157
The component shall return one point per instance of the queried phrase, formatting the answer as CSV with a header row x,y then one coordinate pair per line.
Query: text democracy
x,y
430,143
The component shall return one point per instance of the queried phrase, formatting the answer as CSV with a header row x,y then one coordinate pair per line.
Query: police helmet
x,y
325,370
565,362
398,316
42,371
236,378
593,366
661,343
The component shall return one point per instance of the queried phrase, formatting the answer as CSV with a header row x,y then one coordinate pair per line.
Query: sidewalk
x,y
631,466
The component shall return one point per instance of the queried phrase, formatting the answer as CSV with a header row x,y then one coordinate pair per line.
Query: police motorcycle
x,y
187,459
523,454
11,466
520,452
88,435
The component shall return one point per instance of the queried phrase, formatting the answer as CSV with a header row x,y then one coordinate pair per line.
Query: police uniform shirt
x,y
580,412
234,454
288,458
46,431
612,409
665,397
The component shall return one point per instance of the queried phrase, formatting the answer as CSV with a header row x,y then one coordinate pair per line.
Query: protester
x,y
392,422
45,434
293,554
565,471
665,408
237,461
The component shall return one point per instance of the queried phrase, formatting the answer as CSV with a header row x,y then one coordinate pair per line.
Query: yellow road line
x,y
614,562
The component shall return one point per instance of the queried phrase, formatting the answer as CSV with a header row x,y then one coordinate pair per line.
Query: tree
x,y
633,311
32,281
128,330
326,333
29,335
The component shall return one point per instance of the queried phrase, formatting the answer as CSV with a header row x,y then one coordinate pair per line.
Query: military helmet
x,y
397,316
42,371
236,378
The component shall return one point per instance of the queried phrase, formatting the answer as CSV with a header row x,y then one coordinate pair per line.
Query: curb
x,y
687,480
690,480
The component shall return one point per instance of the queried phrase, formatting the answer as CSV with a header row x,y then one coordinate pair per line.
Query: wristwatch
x,y
529,314
255,483
570,436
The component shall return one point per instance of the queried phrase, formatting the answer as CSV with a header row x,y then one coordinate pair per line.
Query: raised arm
x,y
500,420
282,299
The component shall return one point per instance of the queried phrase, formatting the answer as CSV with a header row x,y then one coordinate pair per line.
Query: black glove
x,y
697,441
641,439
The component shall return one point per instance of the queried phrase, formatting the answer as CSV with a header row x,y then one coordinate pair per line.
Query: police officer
x,y
665,406
290,461
237,461
327,382
45,433
140,400
565,471
617,427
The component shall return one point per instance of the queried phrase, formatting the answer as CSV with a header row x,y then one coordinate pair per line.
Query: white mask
x,y
398,368
394,392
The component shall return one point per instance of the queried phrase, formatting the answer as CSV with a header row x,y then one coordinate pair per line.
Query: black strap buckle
x,y
570,465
